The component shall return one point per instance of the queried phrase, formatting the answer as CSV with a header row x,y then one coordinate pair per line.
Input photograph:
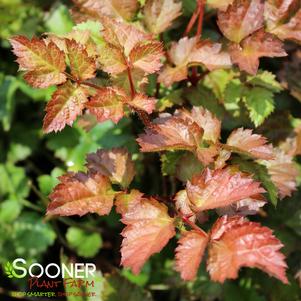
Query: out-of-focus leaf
x,y
85,244
117,288
8,87
58,21
48,182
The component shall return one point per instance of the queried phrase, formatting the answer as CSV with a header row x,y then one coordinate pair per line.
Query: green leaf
x,y
169,162
13,181
259,173
8,88
203,96
260,103
265,79
187,167
59,20
94,27
84,243
48,182
18,152
28,227
118,288
232,95
9,210
218,80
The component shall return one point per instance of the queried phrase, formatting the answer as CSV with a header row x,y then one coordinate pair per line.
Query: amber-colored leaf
x,y
277,12
283,172
66,104
121,35
170,133
44,64
189,253
210,55
147,56
219,4
248,206
125,201
80,193
121,9
283,18
219,188
237,243
143,102
241,19
183,205
108,103
252,144
139,80
111,59
148,229
82,66
115,163
159,14
191,52
290,30
206,120
259,44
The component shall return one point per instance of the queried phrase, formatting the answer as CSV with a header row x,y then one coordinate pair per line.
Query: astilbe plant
x,y
128,52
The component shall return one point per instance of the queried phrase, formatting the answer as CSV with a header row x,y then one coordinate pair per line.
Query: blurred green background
x,y
31,161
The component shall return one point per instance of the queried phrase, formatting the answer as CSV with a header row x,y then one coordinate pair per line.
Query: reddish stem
x,y
200,10
191,224
133,91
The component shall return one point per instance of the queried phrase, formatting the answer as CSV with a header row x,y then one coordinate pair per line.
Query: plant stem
x,y
200,11
191,224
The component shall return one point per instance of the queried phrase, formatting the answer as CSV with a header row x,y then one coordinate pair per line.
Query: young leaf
x,y
108,103
66,104
115,163
81,65
146,56
254,145
125,201
283,172
190,51
111,59
220,188
237,243
121,9
206,120
183,205
189,253
259,173
241,19
159,14
170,133
148,229
283,19
80,193
143,102
219,4
259,44
248,206
121,35
44,64
260,103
